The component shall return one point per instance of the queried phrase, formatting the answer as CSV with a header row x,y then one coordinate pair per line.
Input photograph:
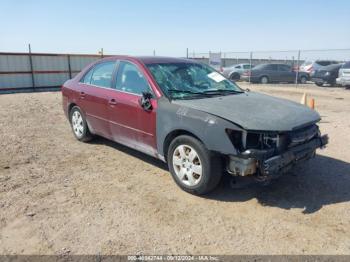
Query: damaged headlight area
x,y
247,142
268,153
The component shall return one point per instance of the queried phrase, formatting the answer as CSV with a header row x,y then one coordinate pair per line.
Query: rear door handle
x,y
112,101
82,94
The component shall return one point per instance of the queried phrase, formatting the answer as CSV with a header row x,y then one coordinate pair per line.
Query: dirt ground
x,y
59,196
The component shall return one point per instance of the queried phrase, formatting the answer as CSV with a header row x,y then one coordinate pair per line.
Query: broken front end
x,y
269,154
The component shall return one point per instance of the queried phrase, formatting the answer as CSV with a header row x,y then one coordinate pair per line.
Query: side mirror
x,y
145,101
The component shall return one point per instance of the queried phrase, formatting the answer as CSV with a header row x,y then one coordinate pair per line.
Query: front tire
x,y
193,167
79,125
319,84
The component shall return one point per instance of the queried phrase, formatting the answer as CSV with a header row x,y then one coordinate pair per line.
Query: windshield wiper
x,y
221,91
186,92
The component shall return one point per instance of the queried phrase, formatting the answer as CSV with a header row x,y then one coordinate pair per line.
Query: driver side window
x,y
131,80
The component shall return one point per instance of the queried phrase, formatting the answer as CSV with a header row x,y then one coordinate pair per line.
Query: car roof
x,y
163,59
274,64
153,59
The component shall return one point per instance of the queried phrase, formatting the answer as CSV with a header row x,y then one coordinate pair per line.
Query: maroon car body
x,y
187,114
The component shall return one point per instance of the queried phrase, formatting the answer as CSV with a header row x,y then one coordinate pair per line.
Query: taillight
x,y
221,69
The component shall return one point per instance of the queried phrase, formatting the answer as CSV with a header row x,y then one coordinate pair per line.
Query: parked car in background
x,y
267,73
326,75
234,72
344,75
310,66
190,116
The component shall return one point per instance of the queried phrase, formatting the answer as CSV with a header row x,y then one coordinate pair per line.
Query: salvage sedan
x,y
190,116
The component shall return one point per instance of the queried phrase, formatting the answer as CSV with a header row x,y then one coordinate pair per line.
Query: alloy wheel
x,y
187,165
77,123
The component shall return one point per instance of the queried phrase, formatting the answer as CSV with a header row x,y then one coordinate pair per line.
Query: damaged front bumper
x,y
265,164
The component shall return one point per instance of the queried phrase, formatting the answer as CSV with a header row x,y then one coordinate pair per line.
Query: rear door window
x,y
246,66
271,67
102,74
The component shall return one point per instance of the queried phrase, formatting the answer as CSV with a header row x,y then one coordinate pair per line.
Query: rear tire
x,y
264,80
79,125
194,168
235,76
303,80
319,84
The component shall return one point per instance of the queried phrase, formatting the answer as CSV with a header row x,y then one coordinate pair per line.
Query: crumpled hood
x,y
255,111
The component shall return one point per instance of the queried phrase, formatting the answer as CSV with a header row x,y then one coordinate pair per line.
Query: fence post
x,y
31,65
297,73
69,67
187,52
250,65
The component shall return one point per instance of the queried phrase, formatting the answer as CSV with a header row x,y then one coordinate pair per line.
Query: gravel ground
x,y
59,196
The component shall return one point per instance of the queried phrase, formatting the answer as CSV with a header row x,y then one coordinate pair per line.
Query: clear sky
x,y
169,27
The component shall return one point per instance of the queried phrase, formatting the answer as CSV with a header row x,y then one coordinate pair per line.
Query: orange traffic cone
x,y
312,103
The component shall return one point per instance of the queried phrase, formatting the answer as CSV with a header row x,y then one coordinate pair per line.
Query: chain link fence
x,y
293,58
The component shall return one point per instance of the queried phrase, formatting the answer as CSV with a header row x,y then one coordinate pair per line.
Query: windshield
x,y
190,80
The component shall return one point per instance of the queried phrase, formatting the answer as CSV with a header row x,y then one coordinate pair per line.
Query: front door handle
x,y
82,94
112,102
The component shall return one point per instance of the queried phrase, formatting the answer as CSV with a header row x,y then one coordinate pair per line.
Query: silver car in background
x,y
234,72
344,75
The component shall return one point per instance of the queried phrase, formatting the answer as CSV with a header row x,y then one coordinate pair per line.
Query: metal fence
x,y
39,71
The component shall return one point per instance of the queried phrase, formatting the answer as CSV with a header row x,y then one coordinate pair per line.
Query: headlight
x,y
243,140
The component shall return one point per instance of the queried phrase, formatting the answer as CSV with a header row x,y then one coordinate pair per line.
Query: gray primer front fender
x,y
208,128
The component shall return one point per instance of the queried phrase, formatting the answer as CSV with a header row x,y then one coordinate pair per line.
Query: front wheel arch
x,y
211,165
172,135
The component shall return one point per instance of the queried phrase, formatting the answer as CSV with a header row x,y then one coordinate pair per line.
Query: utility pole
x,y
297,73
101,52
250,65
